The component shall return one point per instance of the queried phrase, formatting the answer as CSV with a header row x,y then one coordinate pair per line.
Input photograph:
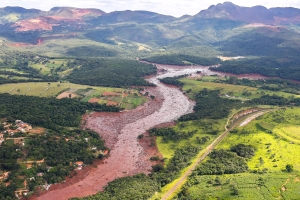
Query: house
x,y
79,163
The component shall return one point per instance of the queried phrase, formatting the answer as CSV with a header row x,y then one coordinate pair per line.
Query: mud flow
x,y
120,131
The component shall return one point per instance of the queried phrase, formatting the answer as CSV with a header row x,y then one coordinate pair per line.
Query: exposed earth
x,y
128,156
120,131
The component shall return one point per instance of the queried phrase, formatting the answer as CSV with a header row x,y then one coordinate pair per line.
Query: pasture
x,y
230,89
168,148
48,67
249,186
127,99
274,137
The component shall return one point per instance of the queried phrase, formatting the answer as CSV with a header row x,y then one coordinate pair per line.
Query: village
x,y
15,134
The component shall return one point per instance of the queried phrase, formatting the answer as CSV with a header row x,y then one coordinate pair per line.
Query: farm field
x,y
127,99
235,90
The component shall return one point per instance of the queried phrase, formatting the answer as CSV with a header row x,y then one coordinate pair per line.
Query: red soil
x,y
94,100
92,179
112,103
66,95
128,156
110,94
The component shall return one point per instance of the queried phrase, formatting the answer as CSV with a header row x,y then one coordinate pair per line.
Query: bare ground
x,y
120,131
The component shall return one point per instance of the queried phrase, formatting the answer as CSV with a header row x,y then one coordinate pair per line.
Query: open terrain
x,y
273,151
125,98
58,65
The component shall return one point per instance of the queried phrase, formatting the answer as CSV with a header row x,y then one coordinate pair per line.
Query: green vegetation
x,y
47,112
46,157
283,67
180,59
273,165
173,80
241,186
136,187
210,105
111,73
241,88
125,98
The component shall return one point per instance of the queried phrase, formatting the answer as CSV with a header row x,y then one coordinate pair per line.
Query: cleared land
x,y
52,64
274,137
234,90
127,99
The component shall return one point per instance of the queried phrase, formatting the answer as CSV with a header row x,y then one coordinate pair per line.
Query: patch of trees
x,y
256,44
47,112
30,37
111,73
60,150
91,51
270,100
225,162
272,84
139,186
182,60
242,150
210,105
287,68
173,80
20,62
181,159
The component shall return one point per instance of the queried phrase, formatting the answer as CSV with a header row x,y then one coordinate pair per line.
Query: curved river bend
x,y
127,156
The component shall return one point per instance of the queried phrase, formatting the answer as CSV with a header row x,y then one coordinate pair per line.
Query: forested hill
x,y
111,72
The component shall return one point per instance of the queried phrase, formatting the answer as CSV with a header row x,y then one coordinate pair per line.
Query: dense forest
x,y
182,60
226,162
287,68
111,73
47,112
210,105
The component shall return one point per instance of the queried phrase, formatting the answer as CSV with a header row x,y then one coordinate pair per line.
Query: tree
x,y
289,168
2,127
234,189
218,181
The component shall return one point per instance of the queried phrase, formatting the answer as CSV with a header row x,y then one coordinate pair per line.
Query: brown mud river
x,y
120,131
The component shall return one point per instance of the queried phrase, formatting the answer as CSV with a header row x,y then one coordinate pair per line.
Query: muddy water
x,y
120,130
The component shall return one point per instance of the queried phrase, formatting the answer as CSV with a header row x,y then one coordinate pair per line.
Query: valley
x,y
141,105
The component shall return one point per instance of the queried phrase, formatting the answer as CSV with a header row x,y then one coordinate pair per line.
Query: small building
x,y
79,163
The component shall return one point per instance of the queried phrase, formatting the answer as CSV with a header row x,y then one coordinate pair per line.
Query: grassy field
x,y
276,143
130,100
249,186
167,149
51,65
235,90
274,137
